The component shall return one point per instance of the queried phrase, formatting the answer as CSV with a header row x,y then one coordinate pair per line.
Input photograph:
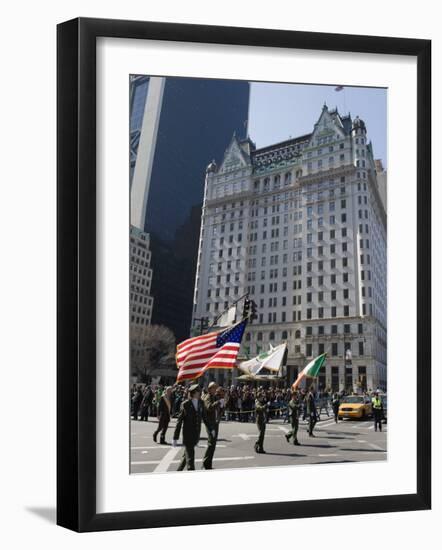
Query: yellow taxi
x,y
355,406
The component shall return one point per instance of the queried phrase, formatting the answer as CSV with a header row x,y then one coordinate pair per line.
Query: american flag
x,y
216,350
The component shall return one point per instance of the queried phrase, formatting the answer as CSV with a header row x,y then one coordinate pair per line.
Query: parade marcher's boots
x,y
287,437
256,448
296,442
155,436
261,451
163,441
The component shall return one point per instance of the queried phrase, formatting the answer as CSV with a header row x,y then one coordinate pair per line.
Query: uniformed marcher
x,y
214,404
164,411
335,406
192,413
378,411
261,411
146,403
311,413
294,408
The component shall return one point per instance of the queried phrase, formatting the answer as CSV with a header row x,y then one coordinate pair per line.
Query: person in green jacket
x,y
261,411
294,406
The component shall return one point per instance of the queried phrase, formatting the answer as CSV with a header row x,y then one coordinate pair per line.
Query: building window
x,y
334,349
308,350
361,348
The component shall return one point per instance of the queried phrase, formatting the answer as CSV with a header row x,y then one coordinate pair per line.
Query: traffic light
x,y
254,309
204,324
246,308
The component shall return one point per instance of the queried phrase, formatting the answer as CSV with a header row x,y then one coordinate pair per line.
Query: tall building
x,y
141,301
301,227
180,123
381,176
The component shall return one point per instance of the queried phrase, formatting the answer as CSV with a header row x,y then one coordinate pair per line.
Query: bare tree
x,y
152,348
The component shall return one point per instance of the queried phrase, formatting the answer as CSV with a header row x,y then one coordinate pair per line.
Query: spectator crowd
x,y
239,401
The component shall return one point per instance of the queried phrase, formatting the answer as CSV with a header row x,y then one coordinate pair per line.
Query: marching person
x,y
192,413
310,408
164,409
335,406
146,403
294,407
214,404
137,398
261,412
378,411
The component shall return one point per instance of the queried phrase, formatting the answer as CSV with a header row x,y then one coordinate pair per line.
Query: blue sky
x,y
278,111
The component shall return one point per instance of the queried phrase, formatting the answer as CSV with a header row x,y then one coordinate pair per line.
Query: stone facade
x,y
301,227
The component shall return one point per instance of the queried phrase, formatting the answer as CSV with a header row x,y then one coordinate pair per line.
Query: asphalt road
x,y
347,441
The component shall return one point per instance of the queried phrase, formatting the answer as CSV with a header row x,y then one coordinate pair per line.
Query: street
x,y
347,441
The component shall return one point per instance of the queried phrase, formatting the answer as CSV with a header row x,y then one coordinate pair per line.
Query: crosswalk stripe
x,y
167,459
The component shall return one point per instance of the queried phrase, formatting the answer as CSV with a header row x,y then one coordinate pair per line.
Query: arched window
x,y
284,335
259,336
298,334
272,335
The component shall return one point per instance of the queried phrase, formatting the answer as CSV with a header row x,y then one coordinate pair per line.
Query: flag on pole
x,y
227,318
312,370
215,350
339,88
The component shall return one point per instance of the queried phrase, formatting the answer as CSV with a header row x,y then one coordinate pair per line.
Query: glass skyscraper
x,y
197,117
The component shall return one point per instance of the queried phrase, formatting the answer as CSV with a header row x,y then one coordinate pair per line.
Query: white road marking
x,y
374,446
283,429
361,441
144,452
167,459
329,454
245,437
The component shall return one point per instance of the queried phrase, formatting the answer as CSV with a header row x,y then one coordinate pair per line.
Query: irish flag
x,y
312,370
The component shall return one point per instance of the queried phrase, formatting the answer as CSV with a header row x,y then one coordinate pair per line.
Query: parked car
x,y
355,406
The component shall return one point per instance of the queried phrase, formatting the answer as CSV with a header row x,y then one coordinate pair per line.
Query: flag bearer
x,y
192,413
378,411
261,410
213,403
294,411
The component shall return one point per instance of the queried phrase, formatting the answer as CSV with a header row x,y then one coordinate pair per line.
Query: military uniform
x,y
310,407
294,410
212,407
164,408
192,413
145,404
261,421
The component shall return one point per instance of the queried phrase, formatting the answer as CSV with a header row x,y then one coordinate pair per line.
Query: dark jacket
x,y
212,409
190,419
163,408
